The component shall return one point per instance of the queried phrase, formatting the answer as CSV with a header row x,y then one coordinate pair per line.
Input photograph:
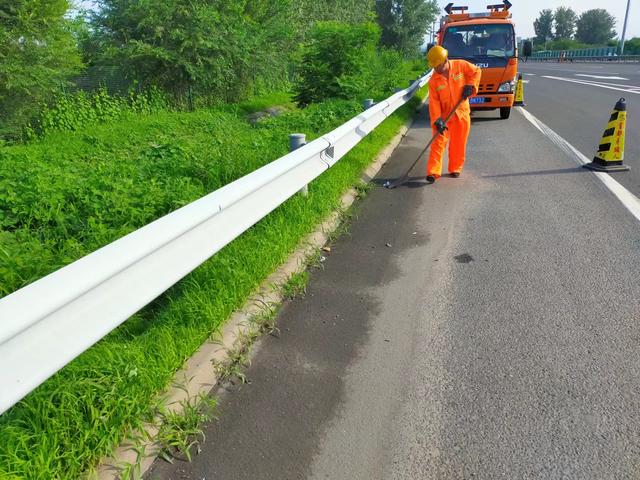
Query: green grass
x,y
257,104
296,286
68,194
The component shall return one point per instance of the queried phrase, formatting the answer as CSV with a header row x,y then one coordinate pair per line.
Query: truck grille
x,y
487,88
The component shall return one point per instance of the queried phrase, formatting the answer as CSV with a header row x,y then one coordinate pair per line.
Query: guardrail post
x,y
368,103
297,140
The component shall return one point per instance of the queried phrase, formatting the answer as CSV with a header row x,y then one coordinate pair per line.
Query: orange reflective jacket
x,y
445,92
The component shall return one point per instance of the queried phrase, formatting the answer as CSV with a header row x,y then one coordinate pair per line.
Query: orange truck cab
x,y
487,40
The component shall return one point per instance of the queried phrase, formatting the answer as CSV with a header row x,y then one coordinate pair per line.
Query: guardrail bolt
x,y
368,103
297,140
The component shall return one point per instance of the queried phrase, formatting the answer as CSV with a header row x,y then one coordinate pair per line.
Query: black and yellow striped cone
x,y
519,93
611,150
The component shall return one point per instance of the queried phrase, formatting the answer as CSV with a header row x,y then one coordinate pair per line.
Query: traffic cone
x,y
611,150
519,93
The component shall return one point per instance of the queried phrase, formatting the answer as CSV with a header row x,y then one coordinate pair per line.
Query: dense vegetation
x,y
564,29
79,169
197,53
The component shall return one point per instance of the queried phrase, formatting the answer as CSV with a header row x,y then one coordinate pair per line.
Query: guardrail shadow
x,y
558,171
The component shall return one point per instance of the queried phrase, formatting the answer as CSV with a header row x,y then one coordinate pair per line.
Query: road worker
x,y
452,80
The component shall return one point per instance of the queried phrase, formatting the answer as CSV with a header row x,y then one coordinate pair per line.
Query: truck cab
x,y
487,40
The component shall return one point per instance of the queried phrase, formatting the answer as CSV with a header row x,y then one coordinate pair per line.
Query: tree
x,y
37,54
632,47
543,25
595,27
213,46
404,23
565,23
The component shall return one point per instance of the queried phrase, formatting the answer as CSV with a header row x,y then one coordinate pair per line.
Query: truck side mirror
x,y
528,48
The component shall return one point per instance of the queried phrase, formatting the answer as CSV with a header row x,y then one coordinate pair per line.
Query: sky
x,y
526,11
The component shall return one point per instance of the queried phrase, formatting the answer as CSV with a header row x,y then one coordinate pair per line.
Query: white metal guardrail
x,y
45,325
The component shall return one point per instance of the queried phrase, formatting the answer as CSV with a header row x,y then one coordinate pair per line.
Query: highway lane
x,y
482,327
580,111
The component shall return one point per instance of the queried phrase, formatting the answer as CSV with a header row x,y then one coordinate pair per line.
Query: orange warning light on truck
x,y
488,40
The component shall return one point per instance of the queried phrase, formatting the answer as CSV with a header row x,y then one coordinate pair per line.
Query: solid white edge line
x,y
590,84
628,199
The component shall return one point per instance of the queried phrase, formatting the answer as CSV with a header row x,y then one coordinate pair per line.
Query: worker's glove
x,y
467,91
440,126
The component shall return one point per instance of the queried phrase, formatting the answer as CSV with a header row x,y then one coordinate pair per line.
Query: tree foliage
x,y
308,12
595,27
214,46
208,45
565,23
37,54
632,47
543,25
404,23
336,60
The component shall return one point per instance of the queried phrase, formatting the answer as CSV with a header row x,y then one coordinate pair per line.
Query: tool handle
x,y
446,120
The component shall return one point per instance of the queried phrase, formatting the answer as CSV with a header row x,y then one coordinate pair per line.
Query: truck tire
x,y
505,112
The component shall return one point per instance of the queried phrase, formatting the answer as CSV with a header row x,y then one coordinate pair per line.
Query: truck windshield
x,y
487,40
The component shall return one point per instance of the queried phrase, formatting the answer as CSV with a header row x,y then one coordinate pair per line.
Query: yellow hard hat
x,y
437,56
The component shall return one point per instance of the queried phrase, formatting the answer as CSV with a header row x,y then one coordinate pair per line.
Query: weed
x,y
296,286
362,189
181,431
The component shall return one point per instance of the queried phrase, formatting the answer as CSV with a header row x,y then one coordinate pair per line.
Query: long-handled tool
x,y
405,178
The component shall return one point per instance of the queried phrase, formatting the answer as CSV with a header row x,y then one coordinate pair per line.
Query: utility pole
x,y
624,29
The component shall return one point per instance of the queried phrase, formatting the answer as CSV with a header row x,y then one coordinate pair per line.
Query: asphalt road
x,y
579,112
482,327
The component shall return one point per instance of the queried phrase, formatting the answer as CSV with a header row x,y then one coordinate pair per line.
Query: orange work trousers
x,y
456,135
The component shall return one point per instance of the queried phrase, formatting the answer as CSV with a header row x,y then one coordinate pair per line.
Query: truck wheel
x,y
505,112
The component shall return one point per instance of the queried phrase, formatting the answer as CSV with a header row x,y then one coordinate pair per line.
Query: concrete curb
x,y
198,376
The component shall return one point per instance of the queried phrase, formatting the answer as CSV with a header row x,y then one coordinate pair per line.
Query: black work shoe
x,y
431,179
455,174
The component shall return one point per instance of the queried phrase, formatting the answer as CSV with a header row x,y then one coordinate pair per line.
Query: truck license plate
x,y
476,100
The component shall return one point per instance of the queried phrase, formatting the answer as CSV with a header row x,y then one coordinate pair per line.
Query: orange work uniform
x,y
444,93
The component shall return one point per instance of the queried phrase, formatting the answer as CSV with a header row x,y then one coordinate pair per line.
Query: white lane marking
x,y
593,84
526,81
600,77
622,85
628,199
530,74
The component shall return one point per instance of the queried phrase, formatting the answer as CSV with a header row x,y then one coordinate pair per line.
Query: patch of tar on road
x,y
464,258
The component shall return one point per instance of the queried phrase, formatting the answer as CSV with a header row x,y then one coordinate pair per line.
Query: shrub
x,y
336,62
